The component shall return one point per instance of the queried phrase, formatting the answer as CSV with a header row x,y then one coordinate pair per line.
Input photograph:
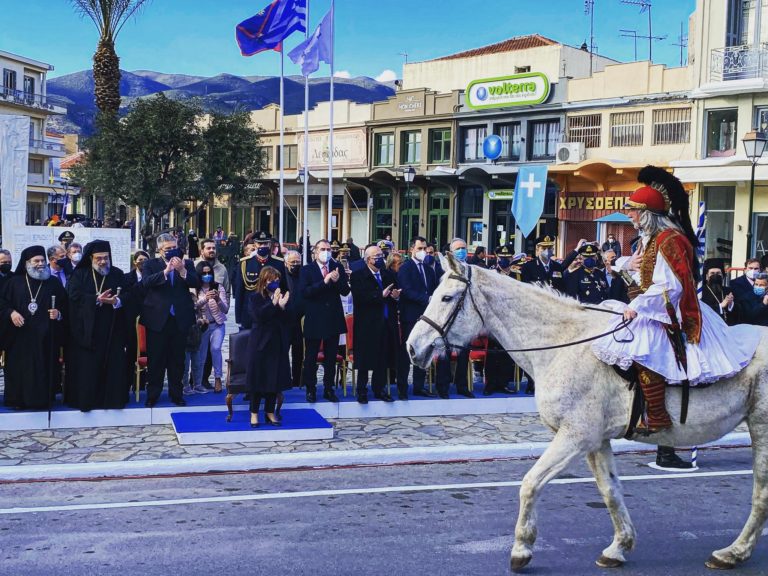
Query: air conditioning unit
x,y
570,153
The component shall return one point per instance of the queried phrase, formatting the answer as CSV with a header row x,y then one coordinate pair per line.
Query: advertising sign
x,y
518,90
349,149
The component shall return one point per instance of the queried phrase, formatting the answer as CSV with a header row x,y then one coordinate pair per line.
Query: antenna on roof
x,y
589,8
404,55
630,34
682,42
645,6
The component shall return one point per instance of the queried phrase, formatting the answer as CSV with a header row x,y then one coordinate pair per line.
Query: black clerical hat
x,y
27,254
94,247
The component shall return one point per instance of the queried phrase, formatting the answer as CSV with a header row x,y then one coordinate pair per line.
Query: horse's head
x,y
451,318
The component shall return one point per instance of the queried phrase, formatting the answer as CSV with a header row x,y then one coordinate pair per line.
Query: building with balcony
x,y
23,92
728,51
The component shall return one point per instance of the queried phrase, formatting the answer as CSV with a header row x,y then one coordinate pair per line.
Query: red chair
x,y
141,355
478,353
340,364
349,361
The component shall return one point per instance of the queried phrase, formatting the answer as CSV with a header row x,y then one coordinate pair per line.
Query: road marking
x,y
351,491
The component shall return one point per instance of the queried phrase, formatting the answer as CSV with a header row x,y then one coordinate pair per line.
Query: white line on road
x,y
350,491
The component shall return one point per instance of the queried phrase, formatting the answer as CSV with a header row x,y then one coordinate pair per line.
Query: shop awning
x,y
616,218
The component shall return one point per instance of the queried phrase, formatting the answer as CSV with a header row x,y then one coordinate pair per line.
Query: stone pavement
x,y
121,444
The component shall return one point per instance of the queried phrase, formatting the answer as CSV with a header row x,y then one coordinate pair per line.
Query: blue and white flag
x,y
317,47
270,26
528,203
701,242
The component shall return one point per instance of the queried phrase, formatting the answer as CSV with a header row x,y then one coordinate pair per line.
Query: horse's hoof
x,y
717,564
605,562
517,564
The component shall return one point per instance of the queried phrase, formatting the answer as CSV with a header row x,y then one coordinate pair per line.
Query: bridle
x,y
445,328
458,306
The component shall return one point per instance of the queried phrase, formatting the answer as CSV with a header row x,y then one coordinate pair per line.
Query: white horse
x,y
584,401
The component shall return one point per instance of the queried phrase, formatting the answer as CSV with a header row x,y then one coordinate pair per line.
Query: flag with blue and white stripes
x,y
701,245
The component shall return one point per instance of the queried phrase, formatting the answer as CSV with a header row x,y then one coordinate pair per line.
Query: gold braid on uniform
x,y
648,264
250,286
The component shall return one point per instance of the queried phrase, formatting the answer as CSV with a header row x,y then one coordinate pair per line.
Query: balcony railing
x,y
46,145
29,99
738,63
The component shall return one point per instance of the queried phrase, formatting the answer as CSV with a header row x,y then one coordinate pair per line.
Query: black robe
x,y
32,351
99,378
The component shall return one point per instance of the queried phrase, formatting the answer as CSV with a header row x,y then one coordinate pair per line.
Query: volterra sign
x,y
517,90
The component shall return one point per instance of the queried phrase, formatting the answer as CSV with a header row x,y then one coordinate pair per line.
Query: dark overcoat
x,y
323,313
269,370
372,331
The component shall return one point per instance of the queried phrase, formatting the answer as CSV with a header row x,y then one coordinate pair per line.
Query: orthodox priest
x,y
32,306
97,324
671,338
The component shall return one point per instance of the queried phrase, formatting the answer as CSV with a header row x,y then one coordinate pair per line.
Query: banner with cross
x,y
528,203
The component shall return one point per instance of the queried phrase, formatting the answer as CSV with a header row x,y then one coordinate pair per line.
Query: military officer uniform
x,y
587,283
542,268
247,272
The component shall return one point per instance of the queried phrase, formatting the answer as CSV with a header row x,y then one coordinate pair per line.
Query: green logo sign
x,y
518,90
502,194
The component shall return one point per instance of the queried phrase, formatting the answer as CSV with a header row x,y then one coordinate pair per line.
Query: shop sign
x,y
592,202
526,89
349,149
411,103
502,194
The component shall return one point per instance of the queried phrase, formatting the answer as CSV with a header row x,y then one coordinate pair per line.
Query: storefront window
x,y
471,214
761,235
472,142
503,231
721,132
719,202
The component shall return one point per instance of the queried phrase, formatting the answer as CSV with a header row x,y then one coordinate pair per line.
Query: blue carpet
x,y
191,422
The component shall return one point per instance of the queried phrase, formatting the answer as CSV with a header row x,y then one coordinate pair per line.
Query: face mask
x,y
324,256
61,262
262,251
293,268
460,254
172,253
5,268
504,262
759,290
715,280
335,254
546,254
76,257
429,259
419,255
274,285
751,274
207,278
590,263
380,263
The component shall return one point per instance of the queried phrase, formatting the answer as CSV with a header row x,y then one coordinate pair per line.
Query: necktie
x,y
325,270
63,278
377,275
173,312
423,275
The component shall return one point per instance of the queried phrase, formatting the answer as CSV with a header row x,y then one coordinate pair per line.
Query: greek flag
x,y
701,245
270,26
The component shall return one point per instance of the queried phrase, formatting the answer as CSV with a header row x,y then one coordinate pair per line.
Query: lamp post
x,y
408,174
754,147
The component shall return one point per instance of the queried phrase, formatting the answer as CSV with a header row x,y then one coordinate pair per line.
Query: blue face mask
x,y
207,278
590,263
263,251
274,285
429,260
460,254
504,262
380,263
173,253
758,290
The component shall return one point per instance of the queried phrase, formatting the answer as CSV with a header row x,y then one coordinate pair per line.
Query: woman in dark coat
x,y
269,370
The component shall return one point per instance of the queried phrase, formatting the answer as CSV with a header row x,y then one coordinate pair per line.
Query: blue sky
x,y
197,36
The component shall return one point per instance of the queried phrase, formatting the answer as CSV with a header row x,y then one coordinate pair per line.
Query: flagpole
x,y
282,148
305,168
330,138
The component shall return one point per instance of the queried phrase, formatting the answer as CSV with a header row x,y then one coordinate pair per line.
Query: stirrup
x,y
642,428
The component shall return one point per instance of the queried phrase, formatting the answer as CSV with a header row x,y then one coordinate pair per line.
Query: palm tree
x,y
109,16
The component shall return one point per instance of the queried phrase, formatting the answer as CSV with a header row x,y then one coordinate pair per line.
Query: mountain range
x,y
222,93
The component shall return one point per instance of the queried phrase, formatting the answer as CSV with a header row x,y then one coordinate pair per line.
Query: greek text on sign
x,y
517,90
349,149
592,203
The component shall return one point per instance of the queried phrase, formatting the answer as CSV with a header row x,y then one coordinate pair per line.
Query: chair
x,y
142,363
237,365
349,361
341,368
478,354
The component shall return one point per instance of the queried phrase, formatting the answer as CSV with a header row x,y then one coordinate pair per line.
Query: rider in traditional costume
x,y
666,269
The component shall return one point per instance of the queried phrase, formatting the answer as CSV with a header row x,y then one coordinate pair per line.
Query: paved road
x,y
399,520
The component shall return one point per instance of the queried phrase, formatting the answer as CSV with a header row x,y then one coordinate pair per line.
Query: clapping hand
x,y
276,297
395,293
386,292
334,276
727,301
178,264
283,300
106,297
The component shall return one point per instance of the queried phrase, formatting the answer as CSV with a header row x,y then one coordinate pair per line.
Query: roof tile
x,y
510,45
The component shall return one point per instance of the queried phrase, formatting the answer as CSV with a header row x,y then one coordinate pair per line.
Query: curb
x,y
363,457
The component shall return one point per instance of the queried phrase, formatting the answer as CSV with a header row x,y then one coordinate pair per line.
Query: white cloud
x,y
387,76
342,74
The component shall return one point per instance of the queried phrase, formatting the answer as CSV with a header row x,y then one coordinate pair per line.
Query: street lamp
x,y
408,174
754,147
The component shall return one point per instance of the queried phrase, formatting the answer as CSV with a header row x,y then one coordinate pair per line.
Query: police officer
x,y
508,263
248,271
543,268
587,283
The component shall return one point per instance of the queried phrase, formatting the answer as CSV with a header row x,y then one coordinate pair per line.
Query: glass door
x,y
437,230
409,216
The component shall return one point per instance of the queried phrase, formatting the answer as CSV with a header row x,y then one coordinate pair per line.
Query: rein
x,y
443,330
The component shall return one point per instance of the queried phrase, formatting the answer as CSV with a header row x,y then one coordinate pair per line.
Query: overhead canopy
x,y
616,217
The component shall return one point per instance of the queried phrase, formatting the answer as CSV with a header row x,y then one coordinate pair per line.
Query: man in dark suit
x,y
323,283
61,267
168,314
542,268
417,282
248,271
742,286
617,287
374,294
